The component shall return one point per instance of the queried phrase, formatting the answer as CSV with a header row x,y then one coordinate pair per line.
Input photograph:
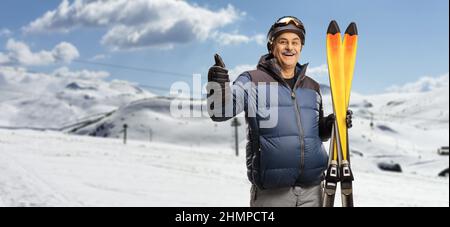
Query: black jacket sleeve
x,y
325,126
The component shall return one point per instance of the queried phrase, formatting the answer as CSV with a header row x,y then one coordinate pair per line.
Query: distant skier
x,y
285,163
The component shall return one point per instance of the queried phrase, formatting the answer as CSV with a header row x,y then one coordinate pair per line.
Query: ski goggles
x,y
289,20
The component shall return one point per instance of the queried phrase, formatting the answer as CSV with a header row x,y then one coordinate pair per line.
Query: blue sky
x,y
400,41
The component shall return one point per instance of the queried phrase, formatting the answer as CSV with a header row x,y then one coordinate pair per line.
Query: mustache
x,y
289,52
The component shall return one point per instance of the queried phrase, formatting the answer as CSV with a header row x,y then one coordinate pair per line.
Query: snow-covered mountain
x,y
403,126
407,128
151,119
38,100
83,102
325,89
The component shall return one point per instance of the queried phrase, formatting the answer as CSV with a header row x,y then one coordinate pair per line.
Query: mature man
x,y
286,161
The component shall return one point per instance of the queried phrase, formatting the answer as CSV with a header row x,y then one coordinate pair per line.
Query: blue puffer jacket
x,y
290,153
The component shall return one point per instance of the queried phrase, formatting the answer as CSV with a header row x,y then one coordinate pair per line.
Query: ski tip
x,y
333,28
352,29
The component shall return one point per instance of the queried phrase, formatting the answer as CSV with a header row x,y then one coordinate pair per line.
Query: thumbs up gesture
x,y
218,73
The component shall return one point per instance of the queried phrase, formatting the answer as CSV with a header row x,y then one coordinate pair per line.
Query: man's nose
x,y
289,47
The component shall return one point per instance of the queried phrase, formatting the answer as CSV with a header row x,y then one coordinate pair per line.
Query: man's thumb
x,y
219,61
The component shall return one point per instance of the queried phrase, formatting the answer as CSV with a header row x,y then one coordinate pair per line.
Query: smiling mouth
x,y
288,54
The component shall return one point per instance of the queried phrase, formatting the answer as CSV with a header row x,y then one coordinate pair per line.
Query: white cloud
x,y
99,57
21,54
237,70
234,38
65,52
21,76
260,39
5,32
319,72
65,72
424,84
138,23
4,59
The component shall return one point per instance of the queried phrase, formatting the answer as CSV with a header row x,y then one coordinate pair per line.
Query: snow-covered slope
x,y
402,126
103,172
29,99
151,119
407,128
36,171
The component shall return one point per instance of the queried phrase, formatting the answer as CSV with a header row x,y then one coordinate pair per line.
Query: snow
x,y
151,119
408,128
182,161
113,174
104,172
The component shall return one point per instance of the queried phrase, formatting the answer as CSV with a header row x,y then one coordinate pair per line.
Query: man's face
x,y
286,48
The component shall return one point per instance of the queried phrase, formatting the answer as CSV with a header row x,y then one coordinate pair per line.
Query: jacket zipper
x,y
298,117
299,123
302,134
